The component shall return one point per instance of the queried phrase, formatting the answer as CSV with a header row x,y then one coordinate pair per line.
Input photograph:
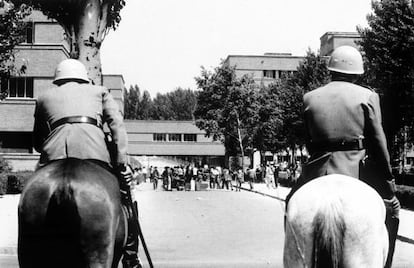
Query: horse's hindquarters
x,y
329,208
68,216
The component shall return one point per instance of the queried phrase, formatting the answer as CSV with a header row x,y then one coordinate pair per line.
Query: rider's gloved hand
x,y
125,173
388,189
393,206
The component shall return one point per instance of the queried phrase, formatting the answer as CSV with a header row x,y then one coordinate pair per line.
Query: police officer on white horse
x,y
68,124
345,134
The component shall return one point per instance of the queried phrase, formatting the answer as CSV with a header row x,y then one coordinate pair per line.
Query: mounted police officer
x,y
345,135
68,124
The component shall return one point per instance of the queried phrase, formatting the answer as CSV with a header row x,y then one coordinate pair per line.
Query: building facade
x,y
154,142
332,40
264,69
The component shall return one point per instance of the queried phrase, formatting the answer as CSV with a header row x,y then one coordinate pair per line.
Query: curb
x,y
257,192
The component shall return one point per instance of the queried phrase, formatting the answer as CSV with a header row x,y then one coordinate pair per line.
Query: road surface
x,y
212,229
205,229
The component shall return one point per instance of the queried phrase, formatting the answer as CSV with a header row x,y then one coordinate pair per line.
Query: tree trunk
x,y
240,140
92,25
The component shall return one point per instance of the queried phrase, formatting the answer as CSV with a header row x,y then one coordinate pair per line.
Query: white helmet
x,y
347,60
71,69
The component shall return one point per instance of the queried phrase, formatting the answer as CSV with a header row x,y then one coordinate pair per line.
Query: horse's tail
x,y
63,226
328,238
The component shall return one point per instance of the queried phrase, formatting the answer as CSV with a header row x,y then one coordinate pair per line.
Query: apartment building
x,y
264,69
44,46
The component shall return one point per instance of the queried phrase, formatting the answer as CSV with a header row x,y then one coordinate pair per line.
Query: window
x,y
28,33
269,73
174,137
190,137
18,87
159,137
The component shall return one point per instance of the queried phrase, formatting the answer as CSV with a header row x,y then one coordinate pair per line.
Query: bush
x,y
406,196
4,165
13,182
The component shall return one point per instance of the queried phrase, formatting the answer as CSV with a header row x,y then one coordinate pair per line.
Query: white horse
x,y
335,221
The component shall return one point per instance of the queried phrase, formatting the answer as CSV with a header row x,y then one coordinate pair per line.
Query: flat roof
x,y
162,126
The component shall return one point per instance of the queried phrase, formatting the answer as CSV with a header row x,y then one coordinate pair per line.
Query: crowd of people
x,y
216,177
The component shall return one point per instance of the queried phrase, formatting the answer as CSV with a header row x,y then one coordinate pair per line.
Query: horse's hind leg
x,y
34,238
98,231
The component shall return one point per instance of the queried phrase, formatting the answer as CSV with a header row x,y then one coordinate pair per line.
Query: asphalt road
x,y
211,229
214,229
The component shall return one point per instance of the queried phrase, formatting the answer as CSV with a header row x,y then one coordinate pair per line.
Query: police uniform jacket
x,y
78,140
342,112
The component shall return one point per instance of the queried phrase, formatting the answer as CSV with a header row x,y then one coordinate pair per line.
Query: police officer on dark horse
x,y
345,135
75,166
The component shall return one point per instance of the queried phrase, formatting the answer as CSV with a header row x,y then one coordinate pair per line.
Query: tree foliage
x,y
388,43
228,108
11,28
176,105
86,23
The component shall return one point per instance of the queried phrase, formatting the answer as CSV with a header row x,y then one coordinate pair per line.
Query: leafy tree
x,y
162,108
176,105
131,102
387,43
182,104
11,27
227,108
86,23
146,106
271,122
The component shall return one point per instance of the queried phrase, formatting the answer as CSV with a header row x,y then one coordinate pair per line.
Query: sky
x,y
160,45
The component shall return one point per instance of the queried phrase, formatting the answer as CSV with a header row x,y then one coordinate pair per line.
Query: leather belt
x,y
75,120
337,145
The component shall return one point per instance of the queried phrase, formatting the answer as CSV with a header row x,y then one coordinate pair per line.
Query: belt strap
x,y
337,145
75,120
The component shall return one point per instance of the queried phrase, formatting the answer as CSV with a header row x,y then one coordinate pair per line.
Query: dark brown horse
x,y
70,215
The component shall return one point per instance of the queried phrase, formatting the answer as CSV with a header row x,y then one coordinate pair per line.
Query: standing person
x,y
251,174
227,179
213,178
68,124
219,179
276,175
269,176
195,173
166,178
144,172
154,177
343,125
239,179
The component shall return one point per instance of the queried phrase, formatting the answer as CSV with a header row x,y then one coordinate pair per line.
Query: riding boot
x,y
392,224
130,258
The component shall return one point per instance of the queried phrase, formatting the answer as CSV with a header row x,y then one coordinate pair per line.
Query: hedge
x,y
405,194
13,182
